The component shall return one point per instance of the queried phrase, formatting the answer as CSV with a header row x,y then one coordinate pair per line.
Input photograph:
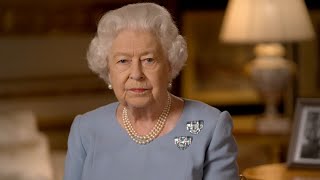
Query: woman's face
x,y
138,69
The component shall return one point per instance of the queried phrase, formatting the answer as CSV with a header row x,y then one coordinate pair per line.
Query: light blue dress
x,y
100,149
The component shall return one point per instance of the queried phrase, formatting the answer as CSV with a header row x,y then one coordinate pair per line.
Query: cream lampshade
x,y
267,23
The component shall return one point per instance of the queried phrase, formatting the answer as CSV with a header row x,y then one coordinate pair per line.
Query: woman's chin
x,y
138,101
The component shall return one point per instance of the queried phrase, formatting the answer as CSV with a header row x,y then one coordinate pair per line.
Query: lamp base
x,y
278,125
270,74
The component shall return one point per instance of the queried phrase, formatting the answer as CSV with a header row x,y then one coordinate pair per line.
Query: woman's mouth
x,y
138,90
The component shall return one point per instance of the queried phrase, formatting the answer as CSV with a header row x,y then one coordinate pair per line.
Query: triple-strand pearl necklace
x,y
145,139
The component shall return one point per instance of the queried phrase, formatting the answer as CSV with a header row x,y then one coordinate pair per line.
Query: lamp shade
x,y
252,21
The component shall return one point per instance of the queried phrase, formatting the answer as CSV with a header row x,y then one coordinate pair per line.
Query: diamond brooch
x,y
194,127
183,142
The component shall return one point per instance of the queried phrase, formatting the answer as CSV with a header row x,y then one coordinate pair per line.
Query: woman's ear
x,y
170,71
109,78
169,66
109,82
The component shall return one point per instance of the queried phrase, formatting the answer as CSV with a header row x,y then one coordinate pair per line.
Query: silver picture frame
x,y
304,147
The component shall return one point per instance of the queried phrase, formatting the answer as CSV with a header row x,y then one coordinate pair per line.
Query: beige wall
x,y
49,76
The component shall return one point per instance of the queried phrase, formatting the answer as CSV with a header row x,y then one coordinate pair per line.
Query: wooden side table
x,y
256,148
280,172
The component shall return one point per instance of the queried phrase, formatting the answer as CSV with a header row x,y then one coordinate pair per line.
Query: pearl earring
x,y
109,86
170,85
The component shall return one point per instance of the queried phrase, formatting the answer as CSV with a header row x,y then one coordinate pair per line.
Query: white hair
x,y
142,16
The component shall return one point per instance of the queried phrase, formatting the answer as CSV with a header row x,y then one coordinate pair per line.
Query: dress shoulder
x,y
99,114
200,110
201,106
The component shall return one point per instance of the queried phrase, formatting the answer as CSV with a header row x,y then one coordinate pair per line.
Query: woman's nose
x,y
136,71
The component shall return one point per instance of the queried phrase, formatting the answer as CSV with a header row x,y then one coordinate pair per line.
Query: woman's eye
x,y
122,61
149,60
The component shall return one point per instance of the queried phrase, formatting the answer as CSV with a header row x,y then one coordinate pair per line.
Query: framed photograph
x,y
215,71
304,149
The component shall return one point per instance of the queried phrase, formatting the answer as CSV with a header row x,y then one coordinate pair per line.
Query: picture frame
x,y
215,71
308,70
304,148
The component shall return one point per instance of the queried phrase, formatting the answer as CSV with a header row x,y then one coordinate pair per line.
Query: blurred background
x,y
43,69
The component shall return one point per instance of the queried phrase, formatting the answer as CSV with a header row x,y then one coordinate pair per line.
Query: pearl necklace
x,y
145,139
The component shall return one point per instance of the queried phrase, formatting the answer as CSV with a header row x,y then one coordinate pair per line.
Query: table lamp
x,y
267,24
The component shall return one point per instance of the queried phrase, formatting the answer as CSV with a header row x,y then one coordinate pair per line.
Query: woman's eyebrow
x,y
122,54
148,51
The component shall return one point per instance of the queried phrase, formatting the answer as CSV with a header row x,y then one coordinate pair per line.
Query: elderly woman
x,y
149,134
